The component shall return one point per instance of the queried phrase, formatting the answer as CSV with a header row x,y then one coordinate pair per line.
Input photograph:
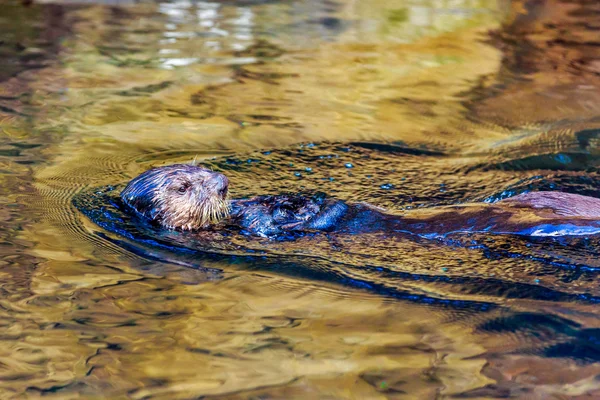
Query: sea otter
x,y
190,197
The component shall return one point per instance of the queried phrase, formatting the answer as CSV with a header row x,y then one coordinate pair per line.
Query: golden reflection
x,y
253,331
126,86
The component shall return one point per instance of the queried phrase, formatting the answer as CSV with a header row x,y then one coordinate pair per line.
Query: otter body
x,y
190,197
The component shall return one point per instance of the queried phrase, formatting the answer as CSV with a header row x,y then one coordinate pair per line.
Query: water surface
x,y
402,104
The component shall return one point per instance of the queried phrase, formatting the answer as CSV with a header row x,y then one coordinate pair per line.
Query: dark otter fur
x,y
273,215
190,197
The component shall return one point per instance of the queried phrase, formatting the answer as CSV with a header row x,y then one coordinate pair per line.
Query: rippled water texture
x,y
403,104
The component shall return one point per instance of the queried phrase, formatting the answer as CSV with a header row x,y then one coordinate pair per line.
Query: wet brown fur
x,y
558,203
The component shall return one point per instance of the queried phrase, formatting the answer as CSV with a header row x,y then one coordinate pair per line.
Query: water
x,y
431,103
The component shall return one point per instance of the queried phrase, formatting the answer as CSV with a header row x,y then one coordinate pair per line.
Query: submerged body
x,y
532,214
192,198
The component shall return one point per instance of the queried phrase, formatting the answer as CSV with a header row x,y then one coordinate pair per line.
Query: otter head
x,y
180,196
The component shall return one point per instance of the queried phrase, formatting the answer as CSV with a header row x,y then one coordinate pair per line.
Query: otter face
x,y
179,196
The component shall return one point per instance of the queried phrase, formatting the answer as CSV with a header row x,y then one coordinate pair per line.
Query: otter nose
x,y
220,183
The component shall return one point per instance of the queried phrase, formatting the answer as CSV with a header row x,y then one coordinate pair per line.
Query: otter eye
x,y
183,188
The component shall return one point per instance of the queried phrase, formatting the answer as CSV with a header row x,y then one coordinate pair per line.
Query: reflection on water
x,y
428,103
